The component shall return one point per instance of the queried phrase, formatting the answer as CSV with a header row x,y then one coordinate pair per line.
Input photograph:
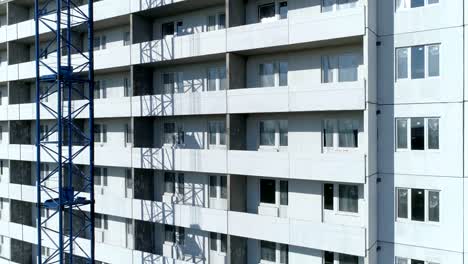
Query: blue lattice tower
x,y
65,72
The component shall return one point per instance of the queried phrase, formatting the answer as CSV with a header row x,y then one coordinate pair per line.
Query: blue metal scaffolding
x,y
65,72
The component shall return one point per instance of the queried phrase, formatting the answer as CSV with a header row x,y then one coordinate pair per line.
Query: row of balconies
x,y
329,97
328,25
340,167
303,233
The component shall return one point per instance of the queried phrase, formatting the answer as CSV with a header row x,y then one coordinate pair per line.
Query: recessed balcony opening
x,y
22,252
21,132
148,237
21,172
23,213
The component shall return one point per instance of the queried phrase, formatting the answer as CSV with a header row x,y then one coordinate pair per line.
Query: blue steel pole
x,y
70,136
91,117
38,137
60,134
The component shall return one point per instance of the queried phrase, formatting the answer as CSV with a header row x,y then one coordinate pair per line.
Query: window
x,y
221,21
399,260
44,133
328,196
126,84
348,259
340,68
172,136
418,204
283,73
274,133
424,133
180,184
268,251
340,134
100,176
216,79
266,12
217,133
128,134
328,257
406,4
284,199
211,23
180,28
218,242
218,187
419,62
169,234
267,191
283,10
126,38
100,133
169,182
284,253
100,89
348,198
167,30
101,221
267,77
348,133
334,5
168,83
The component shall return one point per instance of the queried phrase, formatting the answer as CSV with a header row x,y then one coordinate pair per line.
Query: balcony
x,y
179,104
193,45
329,237
297,30
324,97
340,167
197,160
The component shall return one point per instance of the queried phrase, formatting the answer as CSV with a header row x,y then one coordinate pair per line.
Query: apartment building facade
x,y
256,131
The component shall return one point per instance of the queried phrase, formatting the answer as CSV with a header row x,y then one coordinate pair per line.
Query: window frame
x,y
277,136
281,198
178,136
216,239
336,199
409,70
277,74
220,83
336,72
409,218
409,260
408,134
218,144
276,5
400,9
336,135
336,6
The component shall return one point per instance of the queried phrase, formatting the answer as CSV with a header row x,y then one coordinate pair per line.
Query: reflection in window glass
x,y
283,74
328,130
267,77
417,3
402,203
348,68
283,129
433,133
283,10
266,12
433,206
329,64
348,198
267,133
402,133
348,133
402,63
433,60
268,251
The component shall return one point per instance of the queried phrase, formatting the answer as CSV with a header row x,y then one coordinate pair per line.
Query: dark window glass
x,y
213,183
169,185
169,234
417,3
415,261
417,133
222,21
348,259
213,241
267,191
266,11
268,251
283,10
348,198
223,187
417,204
283,192
328,196
284,254
417,62
223,243
180,184
328,257
167,29
433,133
